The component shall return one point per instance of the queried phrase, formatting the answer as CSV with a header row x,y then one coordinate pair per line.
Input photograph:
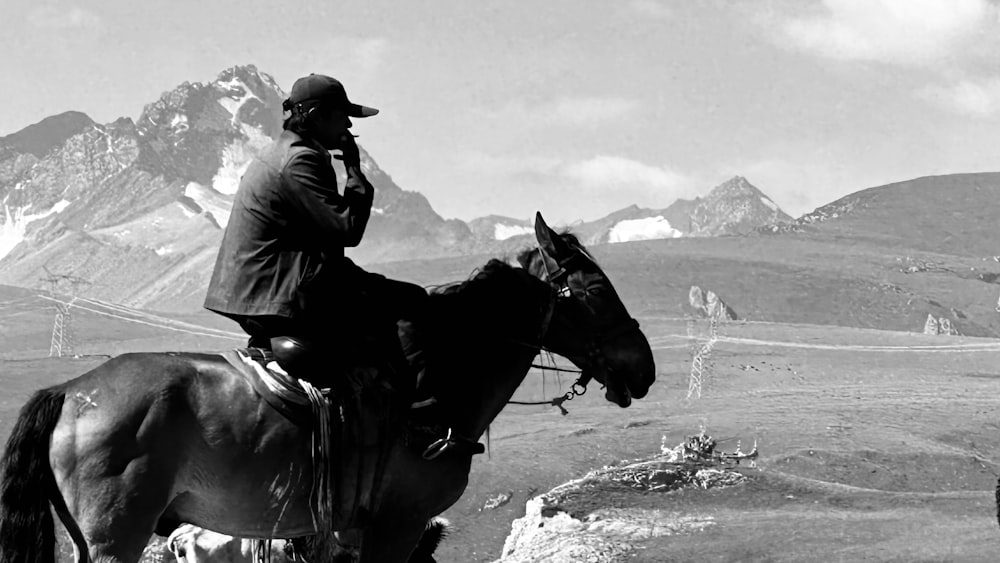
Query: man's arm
x,y
312,190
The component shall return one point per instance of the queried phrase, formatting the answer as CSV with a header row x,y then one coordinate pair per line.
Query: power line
x,y
215,333
62,327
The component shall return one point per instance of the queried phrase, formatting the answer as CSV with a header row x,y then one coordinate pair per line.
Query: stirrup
x,y
450,441
432,400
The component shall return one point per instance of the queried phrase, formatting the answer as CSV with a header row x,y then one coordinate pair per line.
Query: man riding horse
x,y
281,271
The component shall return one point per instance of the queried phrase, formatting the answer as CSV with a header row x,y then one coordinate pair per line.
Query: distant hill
x,y
731,208
734,207
799,278
885,257
951,214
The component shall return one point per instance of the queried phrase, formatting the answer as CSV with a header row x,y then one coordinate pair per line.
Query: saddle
x,y
355,415
349,407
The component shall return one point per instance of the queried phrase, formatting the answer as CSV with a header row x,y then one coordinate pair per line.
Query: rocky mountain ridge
x,y
89,199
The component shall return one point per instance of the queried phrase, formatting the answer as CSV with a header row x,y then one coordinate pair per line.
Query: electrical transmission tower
x,y
702,351
62,334
62,326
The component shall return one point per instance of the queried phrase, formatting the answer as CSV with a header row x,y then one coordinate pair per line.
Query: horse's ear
x,y
548,240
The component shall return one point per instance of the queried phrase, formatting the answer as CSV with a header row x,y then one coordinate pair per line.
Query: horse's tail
x,y
434,533
27,531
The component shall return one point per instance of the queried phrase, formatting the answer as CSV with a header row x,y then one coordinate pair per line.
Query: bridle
x,y
557,281
557,277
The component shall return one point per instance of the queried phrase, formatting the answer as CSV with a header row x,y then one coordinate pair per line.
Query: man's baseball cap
x,y
318,87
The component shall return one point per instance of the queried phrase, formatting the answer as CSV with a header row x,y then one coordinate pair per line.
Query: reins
x,y
567,396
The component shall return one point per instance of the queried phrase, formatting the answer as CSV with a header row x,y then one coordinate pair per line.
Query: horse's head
x,y
590,325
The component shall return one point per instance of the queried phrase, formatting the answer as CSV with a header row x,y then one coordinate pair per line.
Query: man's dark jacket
x,y
283,249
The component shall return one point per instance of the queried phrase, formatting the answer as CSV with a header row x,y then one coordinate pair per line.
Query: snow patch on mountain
x,y
58,207
236,158
16,221
769,203
211,201
234,103
504,232
648,228
179,123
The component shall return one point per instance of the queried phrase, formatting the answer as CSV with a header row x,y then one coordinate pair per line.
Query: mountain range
x,y
134,210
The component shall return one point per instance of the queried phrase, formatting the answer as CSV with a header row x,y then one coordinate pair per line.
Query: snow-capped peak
x,y
502,231
648,228
236,93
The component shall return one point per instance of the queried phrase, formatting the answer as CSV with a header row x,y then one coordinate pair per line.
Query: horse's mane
x,y
484,275
504,294
496,298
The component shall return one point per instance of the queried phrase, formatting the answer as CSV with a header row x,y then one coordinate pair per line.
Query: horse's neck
x,y
506,377
487,369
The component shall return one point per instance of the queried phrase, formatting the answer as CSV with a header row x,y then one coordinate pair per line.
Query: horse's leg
x,y
116,515
115,466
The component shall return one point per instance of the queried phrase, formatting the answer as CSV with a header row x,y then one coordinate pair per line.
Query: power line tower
x,y
62,335
62,327
701,351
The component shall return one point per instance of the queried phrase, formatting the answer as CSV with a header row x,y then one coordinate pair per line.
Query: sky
x,y
573,107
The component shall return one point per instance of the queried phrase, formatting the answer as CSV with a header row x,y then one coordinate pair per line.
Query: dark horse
x,y
146,441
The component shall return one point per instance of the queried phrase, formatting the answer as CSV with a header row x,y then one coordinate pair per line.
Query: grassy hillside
x,y
953,214
800,278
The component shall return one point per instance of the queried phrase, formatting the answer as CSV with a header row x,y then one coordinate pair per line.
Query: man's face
x,y
329,125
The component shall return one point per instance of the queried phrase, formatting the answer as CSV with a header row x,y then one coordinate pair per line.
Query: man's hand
x,y
349,153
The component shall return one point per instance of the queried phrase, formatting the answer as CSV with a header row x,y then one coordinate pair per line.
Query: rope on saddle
x,y
321,495
260,550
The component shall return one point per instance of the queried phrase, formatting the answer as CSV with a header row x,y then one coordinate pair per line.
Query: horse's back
x,y
137,369
171,390
136,398
186,432
140,380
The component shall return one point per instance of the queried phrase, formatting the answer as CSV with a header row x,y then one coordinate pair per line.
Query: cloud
x,y
901,32
369,52
574,111
606,171
651,9
54,18
966,97
584,111
493,165
574,188
602,171
356,61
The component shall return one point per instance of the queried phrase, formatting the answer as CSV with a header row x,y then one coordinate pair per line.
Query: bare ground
x,y
870,450
873,446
